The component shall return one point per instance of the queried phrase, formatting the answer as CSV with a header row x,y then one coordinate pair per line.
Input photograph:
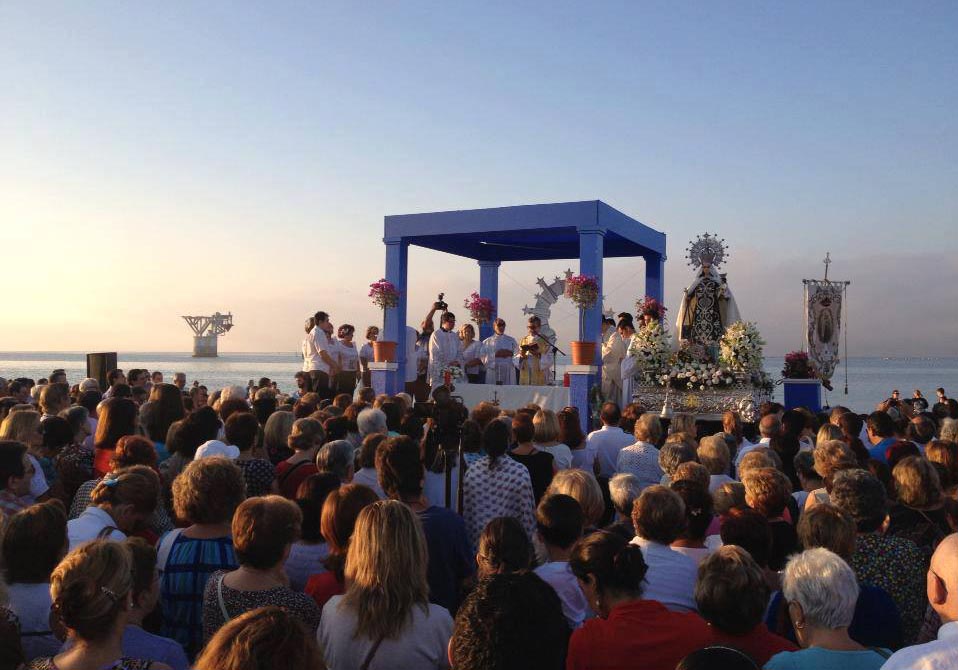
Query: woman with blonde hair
x,y
267,637
385,619
944,454
919,514
91,591
546,438
472,355
584,487
831,457
24,426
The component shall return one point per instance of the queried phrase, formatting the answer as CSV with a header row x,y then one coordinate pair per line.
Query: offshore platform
x,y
206,330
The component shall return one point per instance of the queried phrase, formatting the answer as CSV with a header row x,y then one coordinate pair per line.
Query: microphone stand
x,y
554,350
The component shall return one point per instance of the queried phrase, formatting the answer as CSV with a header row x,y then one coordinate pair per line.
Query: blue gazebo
x,y
590,231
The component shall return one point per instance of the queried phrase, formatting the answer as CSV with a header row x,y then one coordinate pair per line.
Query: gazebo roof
x,y
526,232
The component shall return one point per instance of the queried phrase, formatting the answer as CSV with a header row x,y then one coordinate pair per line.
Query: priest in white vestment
x,y
613,352
534,359
445,350
498,352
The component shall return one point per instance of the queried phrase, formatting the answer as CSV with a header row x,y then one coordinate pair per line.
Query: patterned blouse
x,y
898,566
11,650
236,602
120,664
505,489
259,474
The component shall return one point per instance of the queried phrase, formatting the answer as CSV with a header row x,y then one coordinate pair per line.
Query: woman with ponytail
x,y
497,485
92,593
630,632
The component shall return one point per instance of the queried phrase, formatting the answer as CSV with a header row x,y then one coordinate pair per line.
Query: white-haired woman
x,y
821,591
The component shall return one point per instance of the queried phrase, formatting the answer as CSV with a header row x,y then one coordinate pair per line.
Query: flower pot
x,y
384,352
583,353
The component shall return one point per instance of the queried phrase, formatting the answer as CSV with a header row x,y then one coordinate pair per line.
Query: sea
x,y
870,380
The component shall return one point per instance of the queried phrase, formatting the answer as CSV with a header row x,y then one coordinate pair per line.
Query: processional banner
x,y
823,309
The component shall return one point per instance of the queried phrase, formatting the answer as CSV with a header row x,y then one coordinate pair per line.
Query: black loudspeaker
x,y
97,365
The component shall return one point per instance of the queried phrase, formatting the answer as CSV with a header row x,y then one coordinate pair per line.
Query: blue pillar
x,y
489,288
655,277
582,379
590,263
394,330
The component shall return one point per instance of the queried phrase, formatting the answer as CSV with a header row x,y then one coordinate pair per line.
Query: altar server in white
x,y
445,350
627,367
498,352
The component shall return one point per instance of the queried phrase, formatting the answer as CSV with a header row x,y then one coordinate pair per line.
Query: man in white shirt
x,y
658,515
770,426
608,441
445,350
942,590
498,352
322,364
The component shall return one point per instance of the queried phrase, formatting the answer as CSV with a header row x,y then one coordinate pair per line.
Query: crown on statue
x,y
707,250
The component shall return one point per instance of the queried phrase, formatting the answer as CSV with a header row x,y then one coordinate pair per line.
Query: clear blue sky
x,y
159,159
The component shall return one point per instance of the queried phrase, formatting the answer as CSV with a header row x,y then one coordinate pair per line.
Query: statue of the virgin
x,y
708,306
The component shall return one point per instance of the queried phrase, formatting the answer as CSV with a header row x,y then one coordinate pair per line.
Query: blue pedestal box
x,y
803,393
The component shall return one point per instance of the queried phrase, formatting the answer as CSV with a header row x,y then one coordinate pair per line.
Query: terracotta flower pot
x,y
583,353
384,352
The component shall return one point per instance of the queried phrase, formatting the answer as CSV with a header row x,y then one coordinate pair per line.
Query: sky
x,y
161,159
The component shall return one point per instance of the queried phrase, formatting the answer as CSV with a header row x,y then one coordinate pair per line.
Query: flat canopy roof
x,y
526,232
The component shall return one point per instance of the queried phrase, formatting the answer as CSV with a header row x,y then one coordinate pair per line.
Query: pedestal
x,y
582,378
385,378
803,393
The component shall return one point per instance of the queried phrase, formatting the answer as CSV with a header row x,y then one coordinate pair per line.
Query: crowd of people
x,y
155,525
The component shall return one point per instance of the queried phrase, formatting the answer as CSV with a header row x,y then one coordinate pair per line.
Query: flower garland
x,y
384,293
481,309
452,372
740,348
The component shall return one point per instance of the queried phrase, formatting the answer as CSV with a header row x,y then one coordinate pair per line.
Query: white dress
x,y
474,350
445,348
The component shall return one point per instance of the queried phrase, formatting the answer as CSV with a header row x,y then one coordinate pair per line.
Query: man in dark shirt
x,y
401,475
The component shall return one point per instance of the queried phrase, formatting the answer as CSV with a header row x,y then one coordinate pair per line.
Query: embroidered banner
x,y
823,306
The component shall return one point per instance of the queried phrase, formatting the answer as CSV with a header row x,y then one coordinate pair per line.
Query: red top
x,y
101,461
324,586
637,634
291,475
759,643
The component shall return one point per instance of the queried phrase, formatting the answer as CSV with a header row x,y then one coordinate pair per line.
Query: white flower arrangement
x,y
740,349
694,376
454,372
652,349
